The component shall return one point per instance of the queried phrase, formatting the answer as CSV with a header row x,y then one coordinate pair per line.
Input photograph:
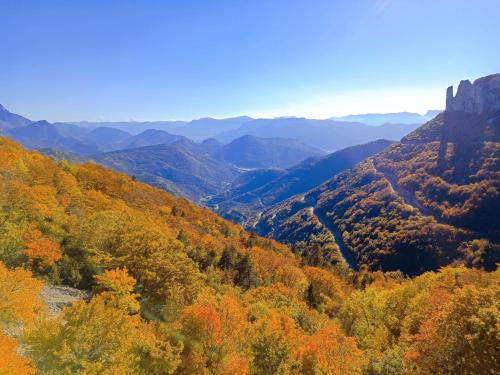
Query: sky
x,y
105,60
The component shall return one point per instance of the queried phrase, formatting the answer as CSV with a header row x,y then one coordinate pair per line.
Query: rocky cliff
x,y
472,116
481,97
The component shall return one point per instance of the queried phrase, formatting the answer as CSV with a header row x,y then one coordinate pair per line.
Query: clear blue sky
x,y
152,60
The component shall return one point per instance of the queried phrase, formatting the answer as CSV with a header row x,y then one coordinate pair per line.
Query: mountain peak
x,y
40,123
212,142
2,108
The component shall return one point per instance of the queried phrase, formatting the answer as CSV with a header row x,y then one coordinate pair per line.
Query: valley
x,y
205,170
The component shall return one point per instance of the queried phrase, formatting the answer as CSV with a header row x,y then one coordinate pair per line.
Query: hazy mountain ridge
x,y
197,130
42,134
197,171
375,119
252,152
151,137
328,135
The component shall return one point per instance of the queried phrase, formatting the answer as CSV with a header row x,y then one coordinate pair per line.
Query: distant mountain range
x,y
197,130
422,203
73,139
375,119
42,134
202,158
328,135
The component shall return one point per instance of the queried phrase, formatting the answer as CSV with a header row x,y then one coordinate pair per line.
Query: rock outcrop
x,y
481,97
472,117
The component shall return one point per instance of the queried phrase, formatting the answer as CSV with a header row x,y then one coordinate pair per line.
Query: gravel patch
x,y
56,298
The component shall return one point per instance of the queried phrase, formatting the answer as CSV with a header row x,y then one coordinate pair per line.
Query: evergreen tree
x,y
228,258
245,273
313,297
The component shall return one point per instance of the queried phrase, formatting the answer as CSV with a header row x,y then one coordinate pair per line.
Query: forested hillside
x,y
182,168
177,290
423,203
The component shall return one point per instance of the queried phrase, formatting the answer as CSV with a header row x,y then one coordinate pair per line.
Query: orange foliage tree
x,y
12,363
40,251
19,302
329,351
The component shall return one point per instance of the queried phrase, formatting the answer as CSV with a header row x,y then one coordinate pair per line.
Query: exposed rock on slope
x,y
56,298
480,98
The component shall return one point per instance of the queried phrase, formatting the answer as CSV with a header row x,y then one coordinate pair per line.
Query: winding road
x,y
407,196
344,251
275,227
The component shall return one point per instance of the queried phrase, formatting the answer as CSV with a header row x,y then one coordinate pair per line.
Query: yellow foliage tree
x,y
115,287
19,303
98,338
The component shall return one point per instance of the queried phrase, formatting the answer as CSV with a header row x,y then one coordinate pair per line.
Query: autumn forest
x,y
174,289
224,187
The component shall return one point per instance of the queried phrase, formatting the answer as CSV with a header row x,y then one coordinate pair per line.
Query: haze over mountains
x,y
196,170
390,118
197,159
336,130
328,135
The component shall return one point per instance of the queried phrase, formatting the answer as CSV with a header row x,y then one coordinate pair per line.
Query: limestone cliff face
x,y
472,117
480,98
